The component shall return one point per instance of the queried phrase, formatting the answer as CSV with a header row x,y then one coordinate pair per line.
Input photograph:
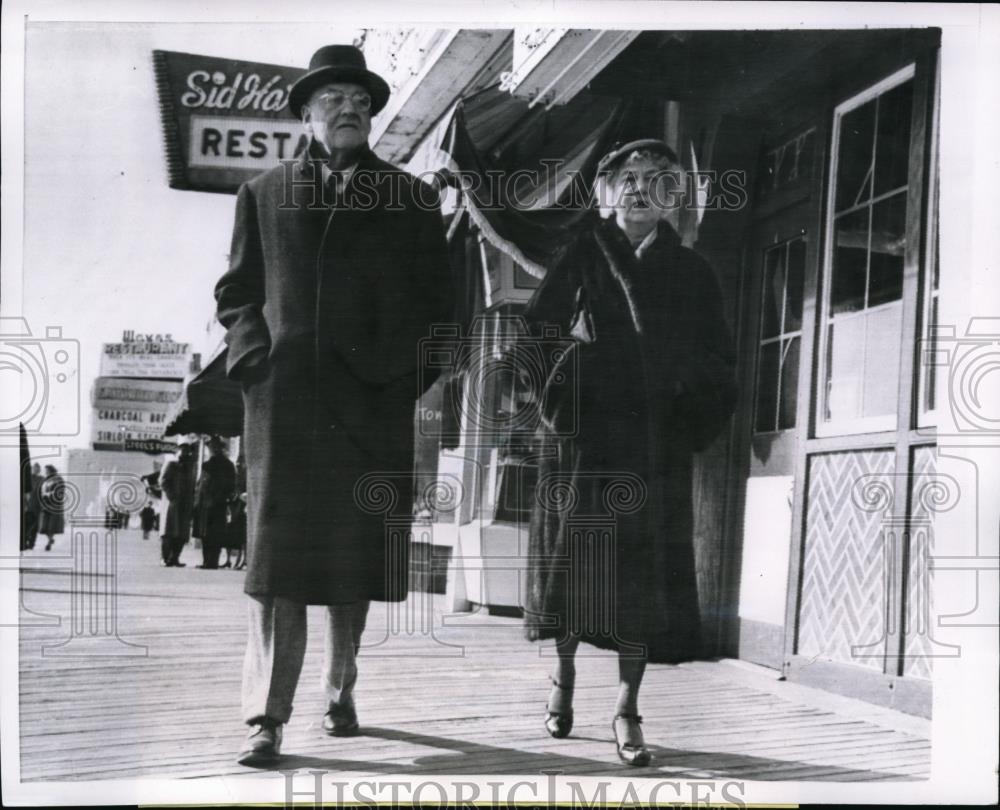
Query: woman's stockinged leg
x,y
627,723
559,710
564,671
631,668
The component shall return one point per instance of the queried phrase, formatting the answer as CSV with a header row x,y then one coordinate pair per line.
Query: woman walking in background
x,y
236,542
649,381
236,536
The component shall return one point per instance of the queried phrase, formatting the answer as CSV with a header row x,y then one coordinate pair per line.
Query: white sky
x,y
107,245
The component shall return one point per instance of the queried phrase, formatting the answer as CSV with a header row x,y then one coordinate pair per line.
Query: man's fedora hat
x,y
338,63
620,152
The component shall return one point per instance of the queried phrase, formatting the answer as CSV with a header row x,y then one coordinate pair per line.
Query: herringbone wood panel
x,y
919,595
843,590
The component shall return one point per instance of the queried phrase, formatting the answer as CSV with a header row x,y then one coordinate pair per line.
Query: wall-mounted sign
x,y
145,355
152,446
123,429
140,395
224,120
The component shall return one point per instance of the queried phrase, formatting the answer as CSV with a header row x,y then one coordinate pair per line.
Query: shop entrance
x,y
839,290
781,260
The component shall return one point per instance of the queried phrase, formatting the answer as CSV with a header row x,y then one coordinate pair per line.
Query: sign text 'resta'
x,y
255,144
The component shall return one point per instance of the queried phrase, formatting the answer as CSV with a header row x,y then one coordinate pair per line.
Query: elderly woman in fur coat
x,y
648,382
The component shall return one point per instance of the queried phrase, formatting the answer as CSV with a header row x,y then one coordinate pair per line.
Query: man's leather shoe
x,y
262,745
341,720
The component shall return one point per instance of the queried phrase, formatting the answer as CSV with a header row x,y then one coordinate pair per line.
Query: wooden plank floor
x,y
469,703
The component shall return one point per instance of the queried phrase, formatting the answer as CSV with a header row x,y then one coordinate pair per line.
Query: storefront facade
x,y
813,528
833,446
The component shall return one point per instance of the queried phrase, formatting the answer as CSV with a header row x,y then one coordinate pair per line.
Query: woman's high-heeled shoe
x,y
559,724
631,753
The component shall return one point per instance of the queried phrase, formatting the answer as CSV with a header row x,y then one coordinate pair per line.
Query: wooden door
x,y
780,259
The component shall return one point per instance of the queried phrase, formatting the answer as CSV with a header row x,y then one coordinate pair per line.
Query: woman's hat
x,y
620,152
338,63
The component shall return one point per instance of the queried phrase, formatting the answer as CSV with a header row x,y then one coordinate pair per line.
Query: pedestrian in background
x,y
216,489
177,480
236,541
236,536
155,493
33,507
147,519
52,500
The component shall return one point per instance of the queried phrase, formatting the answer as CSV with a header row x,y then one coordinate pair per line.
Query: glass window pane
x,y
850,260
892,149
793,294
881,361
774,282
789,384
845,353
767,387
515,485
885,273
854,156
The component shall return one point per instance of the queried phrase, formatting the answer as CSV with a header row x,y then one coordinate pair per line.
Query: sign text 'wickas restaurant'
x,y
224,120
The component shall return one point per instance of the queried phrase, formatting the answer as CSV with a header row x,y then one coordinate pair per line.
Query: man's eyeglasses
x,y
336,99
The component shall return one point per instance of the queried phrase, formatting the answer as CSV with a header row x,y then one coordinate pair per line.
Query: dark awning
x,y
211,403
528,171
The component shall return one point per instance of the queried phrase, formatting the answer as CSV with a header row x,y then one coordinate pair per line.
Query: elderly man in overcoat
x,y
338,268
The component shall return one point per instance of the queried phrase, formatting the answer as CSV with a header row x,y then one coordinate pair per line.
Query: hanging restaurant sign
x,y
224,120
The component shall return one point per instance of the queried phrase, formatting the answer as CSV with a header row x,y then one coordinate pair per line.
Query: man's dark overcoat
x,y
52,520
339,292
214,491
649,381
178,482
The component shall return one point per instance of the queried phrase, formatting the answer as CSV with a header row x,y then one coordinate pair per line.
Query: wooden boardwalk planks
x,y
472,703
